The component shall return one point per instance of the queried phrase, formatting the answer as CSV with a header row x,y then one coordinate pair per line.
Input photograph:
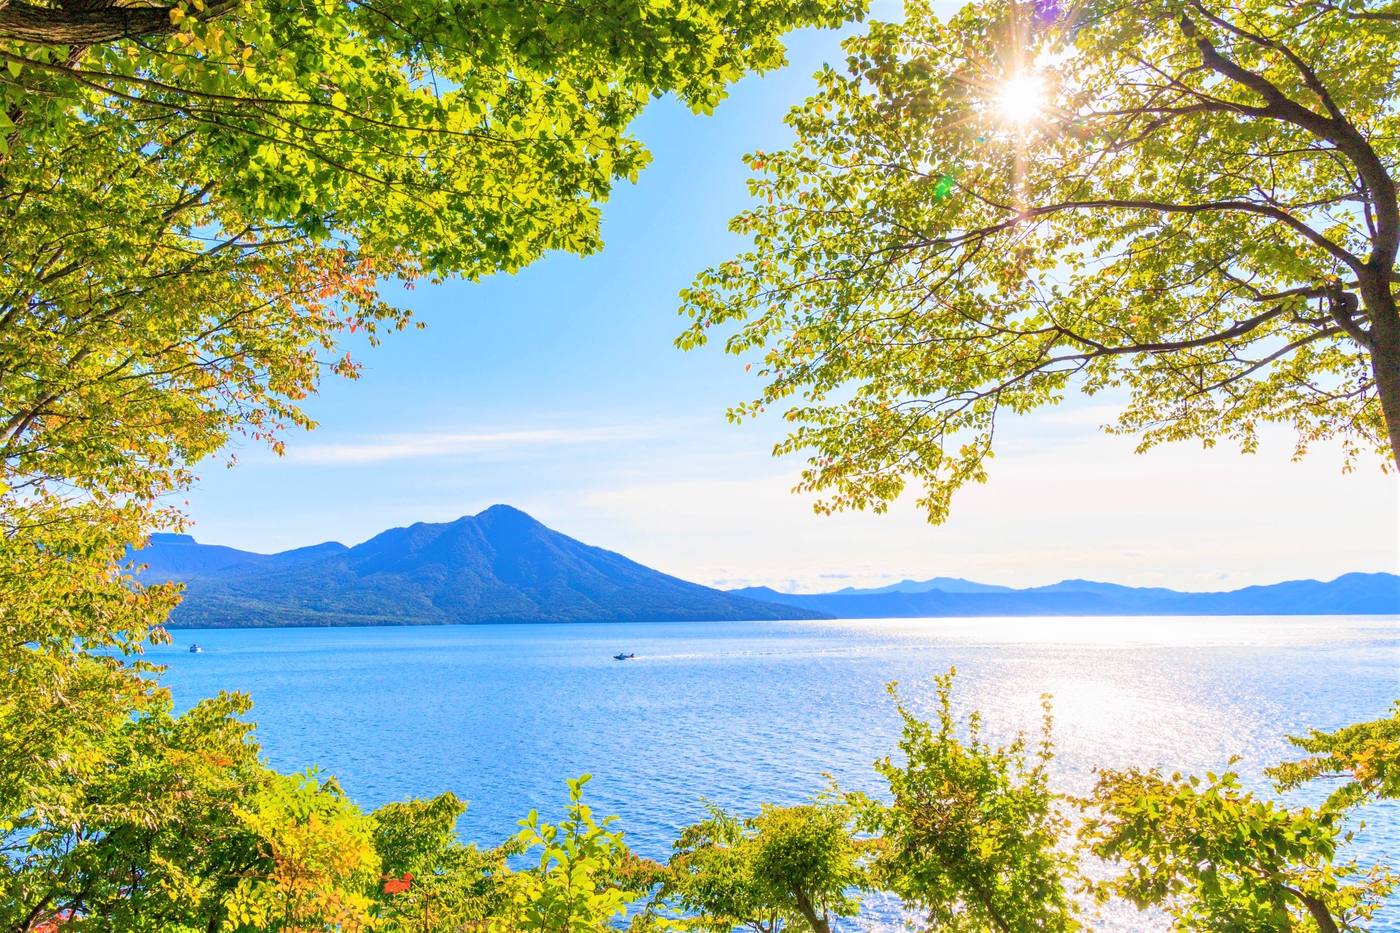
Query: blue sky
x,y
557,390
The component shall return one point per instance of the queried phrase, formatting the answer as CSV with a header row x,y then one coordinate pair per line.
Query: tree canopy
x,y
197,202
788,868
973,835
1188,205
1218,858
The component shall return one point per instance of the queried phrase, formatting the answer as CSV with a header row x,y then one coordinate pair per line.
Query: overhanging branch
x,y
1238,206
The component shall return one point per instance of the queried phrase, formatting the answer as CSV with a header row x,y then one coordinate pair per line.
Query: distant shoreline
x,y
1391,616
503,567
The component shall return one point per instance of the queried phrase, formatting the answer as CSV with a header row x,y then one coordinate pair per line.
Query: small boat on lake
x,y
623,657
195,649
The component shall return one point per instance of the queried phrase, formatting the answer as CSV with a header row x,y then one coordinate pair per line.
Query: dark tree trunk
x,y
816,921
1386,367
1384,344
1318,911
91,23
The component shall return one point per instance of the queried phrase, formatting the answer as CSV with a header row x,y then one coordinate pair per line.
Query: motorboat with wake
x,y
623,657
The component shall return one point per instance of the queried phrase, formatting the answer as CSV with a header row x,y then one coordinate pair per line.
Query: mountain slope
x,y
1350,594
181,557
498,566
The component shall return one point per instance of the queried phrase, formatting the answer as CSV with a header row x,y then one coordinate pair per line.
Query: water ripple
x,y
739,713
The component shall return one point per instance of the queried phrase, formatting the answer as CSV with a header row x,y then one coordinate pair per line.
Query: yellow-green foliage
x,y
1367,755
573,887
1201,218
1219,859
318,865
973,835
198,198
788,868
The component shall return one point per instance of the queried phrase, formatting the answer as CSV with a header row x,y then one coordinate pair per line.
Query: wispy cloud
x,y
426,445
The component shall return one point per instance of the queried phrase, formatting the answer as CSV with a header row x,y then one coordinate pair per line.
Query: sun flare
x,y
1020,99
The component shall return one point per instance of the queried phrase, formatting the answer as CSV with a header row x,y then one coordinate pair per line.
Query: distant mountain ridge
x,y
1349,594
497,566
501,565
945,584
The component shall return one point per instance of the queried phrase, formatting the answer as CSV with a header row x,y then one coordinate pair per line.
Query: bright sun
x,y
1021,98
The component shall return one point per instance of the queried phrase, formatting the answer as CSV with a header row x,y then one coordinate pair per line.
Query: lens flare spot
x,y
1020,99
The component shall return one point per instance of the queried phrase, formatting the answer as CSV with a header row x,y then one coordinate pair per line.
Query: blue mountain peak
x,y
500,511
164,537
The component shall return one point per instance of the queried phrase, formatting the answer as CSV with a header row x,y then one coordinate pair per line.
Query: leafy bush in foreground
x,y
175,824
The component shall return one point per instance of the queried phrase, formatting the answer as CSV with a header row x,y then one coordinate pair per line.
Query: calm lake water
x,y
739,713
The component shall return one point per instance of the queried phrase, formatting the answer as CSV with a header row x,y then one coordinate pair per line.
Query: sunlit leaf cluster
x,y
1195,215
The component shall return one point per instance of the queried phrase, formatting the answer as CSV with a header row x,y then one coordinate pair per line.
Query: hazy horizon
x,y
834,585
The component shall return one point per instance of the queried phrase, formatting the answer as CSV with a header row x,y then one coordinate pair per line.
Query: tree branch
x,y
1248,207
1334,129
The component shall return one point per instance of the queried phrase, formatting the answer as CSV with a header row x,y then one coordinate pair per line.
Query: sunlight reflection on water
x,y
743,712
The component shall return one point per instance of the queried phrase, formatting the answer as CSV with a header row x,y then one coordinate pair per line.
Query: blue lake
x,y
739,713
